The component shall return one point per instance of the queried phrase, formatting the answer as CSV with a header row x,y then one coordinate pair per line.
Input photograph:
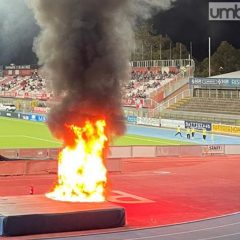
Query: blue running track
x,y
169,134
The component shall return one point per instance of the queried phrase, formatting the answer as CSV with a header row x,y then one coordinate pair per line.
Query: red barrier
x,y
9,153
41,167
33,153
13,168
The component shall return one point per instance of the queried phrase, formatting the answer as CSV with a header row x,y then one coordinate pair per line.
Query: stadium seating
x,y
146,80
208,105
22,87
144,84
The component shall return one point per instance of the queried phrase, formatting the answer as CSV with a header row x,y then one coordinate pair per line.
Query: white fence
x,y
163,63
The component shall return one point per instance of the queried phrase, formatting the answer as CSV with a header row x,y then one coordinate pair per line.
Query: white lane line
x,y
220,236
41,139
144,139
6,136
184,232
25,136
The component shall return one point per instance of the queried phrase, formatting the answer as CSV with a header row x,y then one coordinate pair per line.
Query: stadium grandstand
x,y
150,82
156,89
153,81
214,99
24,87
160,94
162,89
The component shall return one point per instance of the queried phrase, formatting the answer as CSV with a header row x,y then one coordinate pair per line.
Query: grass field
x,y
16,133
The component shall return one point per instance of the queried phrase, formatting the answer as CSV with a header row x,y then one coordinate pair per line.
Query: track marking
x,y
184,232
123,195
25,136
41,139
220,236
144,139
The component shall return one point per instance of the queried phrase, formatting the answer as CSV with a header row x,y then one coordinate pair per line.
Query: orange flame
x,y
81,171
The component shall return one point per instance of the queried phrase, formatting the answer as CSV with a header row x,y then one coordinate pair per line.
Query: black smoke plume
x,y
17,30
84,46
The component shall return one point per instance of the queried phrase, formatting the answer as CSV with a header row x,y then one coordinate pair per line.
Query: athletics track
x,y
170,135
159,192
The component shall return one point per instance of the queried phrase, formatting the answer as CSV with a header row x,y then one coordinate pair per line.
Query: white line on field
x,y
147,140
25,136
41,139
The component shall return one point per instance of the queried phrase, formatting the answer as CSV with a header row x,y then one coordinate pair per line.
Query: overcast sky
x,y
187,21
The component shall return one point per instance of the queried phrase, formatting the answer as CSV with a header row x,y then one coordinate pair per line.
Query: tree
x,y
225,59
149,45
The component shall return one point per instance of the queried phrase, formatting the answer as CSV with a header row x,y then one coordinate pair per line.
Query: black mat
x,y
38,215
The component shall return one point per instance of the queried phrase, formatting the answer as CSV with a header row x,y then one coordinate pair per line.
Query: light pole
x,y
209,57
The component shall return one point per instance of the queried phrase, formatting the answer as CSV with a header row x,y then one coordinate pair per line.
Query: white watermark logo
x,y
224,11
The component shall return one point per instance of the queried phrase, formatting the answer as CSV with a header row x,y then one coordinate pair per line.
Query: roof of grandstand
x,y
228,75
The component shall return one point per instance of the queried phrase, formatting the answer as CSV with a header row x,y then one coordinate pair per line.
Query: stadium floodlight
x,y
209,56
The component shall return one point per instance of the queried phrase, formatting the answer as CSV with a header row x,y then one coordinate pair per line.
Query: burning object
x,y
81,171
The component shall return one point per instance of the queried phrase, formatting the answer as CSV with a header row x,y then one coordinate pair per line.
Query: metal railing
x,y
164,63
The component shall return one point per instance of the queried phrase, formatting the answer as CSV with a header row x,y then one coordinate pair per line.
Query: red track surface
x,y
183,189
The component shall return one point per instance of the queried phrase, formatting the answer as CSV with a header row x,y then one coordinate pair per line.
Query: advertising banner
x,y
172,123
25,117
148,121
37,118
215,82
226,129
213,149
198,125
8,114
132,119
43,110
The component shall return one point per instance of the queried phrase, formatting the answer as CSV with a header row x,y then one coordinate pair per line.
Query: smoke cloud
x,y
84,46
17,30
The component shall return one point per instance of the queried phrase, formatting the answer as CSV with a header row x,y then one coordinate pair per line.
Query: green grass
x,y
15,133
141,140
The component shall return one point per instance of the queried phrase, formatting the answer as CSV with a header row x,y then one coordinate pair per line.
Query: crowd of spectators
x,y
146,75
30,84
144,81
33,84
8,83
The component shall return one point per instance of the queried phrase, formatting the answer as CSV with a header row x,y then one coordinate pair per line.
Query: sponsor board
x,y
25,116
148,121
213,149
37,118
226,129
132,119
198,125
13,67
43,110
216,82
172,123
9,114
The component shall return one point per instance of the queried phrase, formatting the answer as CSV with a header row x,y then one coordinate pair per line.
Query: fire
x,y
82,175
